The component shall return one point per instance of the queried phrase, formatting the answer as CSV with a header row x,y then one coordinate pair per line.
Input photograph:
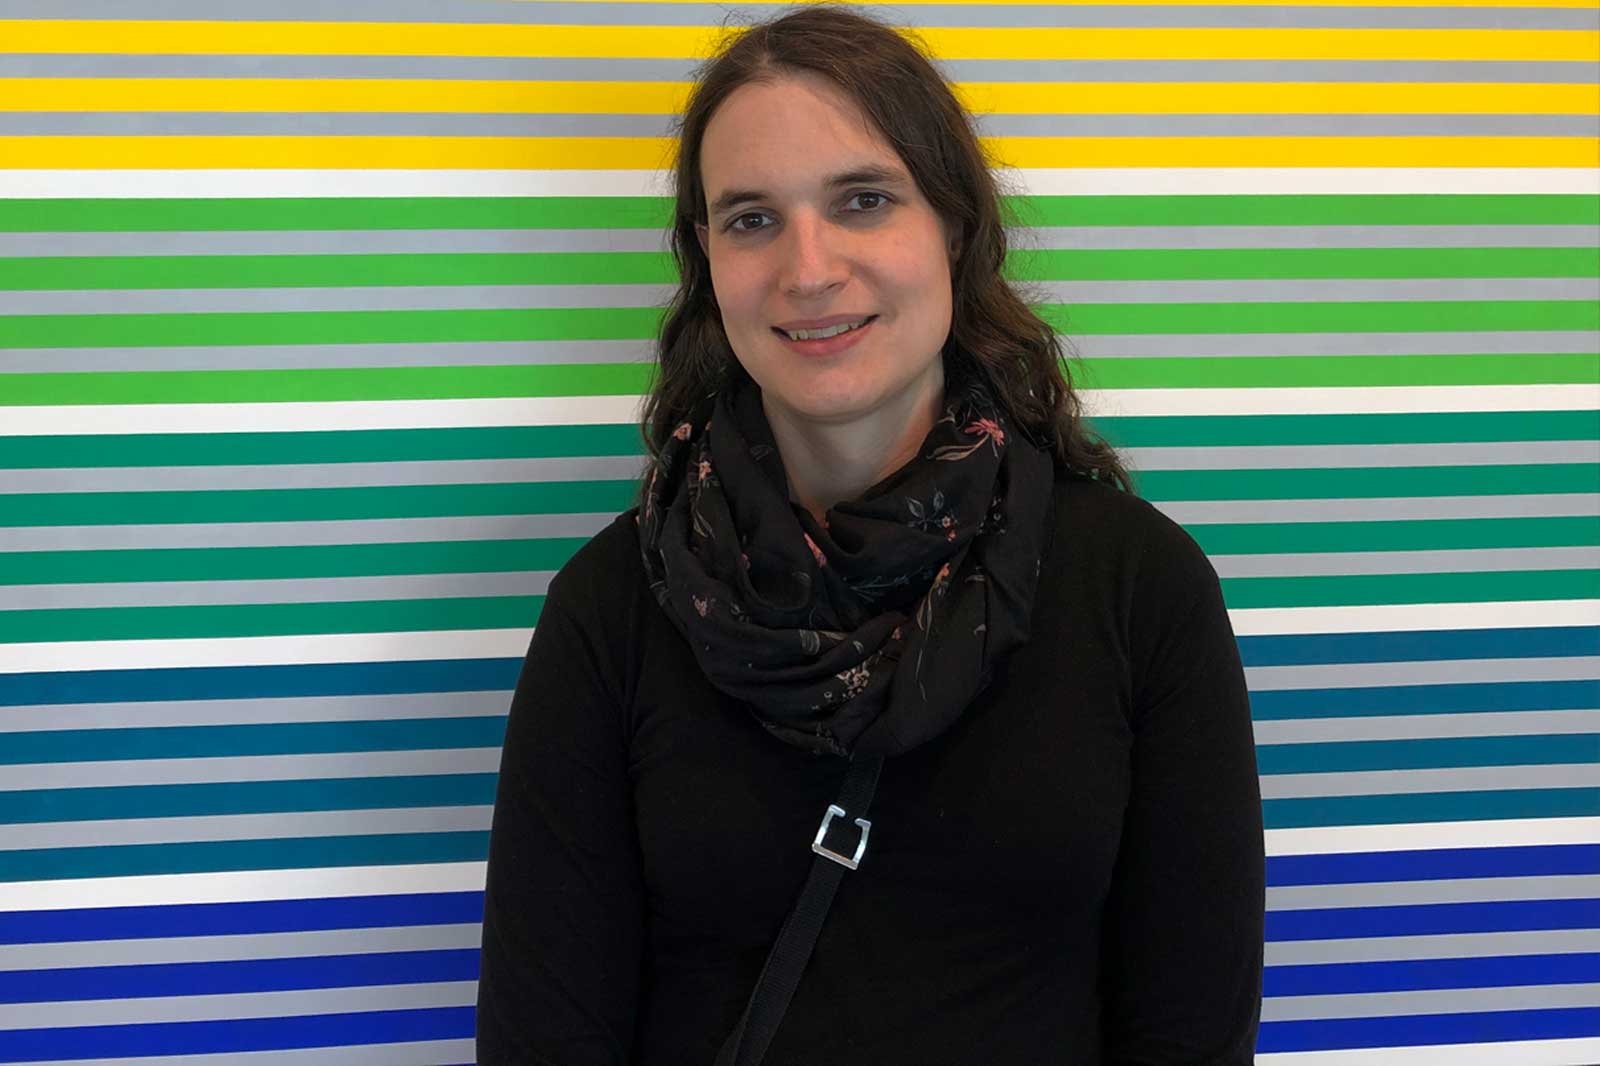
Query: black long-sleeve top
x,y
1072,874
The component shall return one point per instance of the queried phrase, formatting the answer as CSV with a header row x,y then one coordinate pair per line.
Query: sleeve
x,y
562,920
1181,953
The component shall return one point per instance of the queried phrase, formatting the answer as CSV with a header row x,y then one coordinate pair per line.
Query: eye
x,y
733,223
870,196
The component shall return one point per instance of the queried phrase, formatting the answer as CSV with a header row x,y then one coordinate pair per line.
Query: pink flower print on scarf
x,y
822,560
683,431
705,470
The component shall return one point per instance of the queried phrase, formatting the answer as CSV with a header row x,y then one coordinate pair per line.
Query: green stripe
x,y
632,379
269,619
131,860
33,806
287,505
1443,534
1367,482
1310,371
321,446
505,442
227,741
653,268
1379,589
1167,431
1430,754
1421,316
241,564
1428,807
649,212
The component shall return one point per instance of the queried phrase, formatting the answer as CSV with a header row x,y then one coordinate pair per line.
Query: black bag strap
x,y
747,1044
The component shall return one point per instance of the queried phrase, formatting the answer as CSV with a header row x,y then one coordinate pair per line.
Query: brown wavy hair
x,y
993,331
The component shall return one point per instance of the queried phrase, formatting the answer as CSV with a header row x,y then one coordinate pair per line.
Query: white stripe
x,y
1583,1051
599,410
1428,836
233,886
513,643
1099,181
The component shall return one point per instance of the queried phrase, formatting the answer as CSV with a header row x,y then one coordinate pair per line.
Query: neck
x,y
829,463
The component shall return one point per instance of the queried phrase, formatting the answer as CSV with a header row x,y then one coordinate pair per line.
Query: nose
x,y
812,261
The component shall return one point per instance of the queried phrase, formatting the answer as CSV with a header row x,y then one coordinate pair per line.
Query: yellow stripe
x,y
1581,4
649,153
694,42
667,98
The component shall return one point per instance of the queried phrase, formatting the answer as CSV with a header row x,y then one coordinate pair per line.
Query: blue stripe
x,y
232,919
1346,756
1424,699
1342,978
240,975
1413,1030
1426,919
1407,808
1419,646
259,682
1525,860
247,1034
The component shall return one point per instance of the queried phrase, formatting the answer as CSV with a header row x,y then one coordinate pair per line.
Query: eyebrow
x,y
870,174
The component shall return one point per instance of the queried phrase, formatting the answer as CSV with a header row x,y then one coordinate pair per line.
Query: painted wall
x,y
321,330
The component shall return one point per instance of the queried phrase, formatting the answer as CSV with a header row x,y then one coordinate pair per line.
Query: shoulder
x,y
1102,527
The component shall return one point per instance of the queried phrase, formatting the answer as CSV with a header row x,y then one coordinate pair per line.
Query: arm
x,y
1181,953
562,921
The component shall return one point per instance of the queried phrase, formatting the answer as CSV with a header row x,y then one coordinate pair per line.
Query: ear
x,y
702,233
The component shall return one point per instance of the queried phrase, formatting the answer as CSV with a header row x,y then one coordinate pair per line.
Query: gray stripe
x,y
910,14
275,534
1447,890
119,831
146,951
237,1005
249,768
323,475
548,124
1410,782
1440,946
526,241
528,353
1302,456
1429,1001
1420,726
48,717
1450,561
497,68
274,590
1435,672
487,297
417,1053
1383,508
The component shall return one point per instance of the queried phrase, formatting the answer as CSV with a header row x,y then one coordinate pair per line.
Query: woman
x,y
897,542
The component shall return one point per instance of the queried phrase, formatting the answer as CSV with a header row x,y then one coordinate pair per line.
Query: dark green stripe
x,y
1428,754
1378,589
277,738
269,619
642,323
1442,534
302,561
1367,482
1346,371
1430,807
129,860
649,212
245,797
288,505
1166,431
653,268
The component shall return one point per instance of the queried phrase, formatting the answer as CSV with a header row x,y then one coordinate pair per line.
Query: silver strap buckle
x,y
847,861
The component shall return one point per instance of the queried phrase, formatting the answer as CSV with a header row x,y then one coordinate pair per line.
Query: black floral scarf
x,y
871,632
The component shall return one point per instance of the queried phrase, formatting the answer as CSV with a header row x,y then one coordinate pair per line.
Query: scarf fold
x,y
869,633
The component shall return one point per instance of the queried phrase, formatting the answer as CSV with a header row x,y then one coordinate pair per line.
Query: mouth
x,y
826,345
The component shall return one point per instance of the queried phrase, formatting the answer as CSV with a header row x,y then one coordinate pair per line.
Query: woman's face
x,y
804,245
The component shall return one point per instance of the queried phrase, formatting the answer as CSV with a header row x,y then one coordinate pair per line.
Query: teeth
x,y
819,334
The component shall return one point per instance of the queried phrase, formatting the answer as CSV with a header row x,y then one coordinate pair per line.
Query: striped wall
x,y
322,328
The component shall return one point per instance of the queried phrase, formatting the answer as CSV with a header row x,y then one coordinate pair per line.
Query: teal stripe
x,y
223,741
1367,482
1430,807
132,860
1372,589
245,797
1433,753
1165,431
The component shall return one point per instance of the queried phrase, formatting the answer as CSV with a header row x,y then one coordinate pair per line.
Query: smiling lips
x,y
822,328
